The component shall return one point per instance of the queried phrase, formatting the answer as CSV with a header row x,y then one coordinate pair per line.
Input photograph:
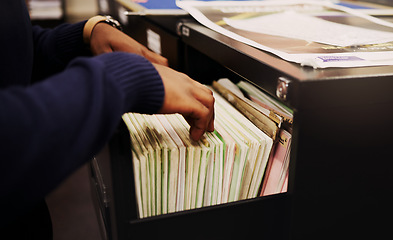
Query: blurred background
x,y
49,12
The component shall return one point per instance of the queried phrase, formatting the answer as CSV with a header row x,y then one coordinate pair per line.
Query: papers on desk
x,y
291,24
311,33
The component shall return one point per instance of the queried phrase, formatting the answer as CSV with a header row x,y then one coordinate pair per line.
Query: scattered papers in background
x,y
373,52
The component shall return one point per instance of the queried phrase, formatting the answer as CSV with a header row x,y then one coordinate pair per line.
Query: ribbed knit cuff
x,y
139,80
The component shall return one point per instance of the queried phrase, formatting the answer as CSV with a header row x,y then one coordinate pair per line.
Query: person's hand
x,y
189,98
106,38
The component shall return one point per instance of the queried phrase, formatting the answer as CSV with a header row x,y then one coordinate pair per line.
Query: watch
x,y
113,22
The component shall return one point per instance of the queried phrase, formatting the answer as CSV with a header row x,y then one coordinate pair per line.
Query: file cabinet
x,y
341,168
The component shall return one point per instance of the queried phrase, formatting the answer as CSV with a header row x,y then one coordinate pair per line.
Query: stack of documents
x,y
173,173
274,118
267,102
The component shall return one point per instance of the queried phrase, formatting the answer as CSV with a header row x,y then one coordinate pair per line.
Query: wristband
x,y
92,22
89,26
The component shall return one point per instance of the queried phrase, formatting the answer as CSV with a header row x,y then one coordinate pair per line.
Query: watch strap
x,y
92,22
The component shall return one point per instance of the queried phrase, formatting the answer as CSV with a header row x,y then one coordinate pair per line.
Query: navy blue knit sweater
x,y
50,127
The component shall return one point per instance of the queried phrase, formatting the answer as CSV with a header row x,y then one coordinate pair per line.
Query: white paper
x,y
181,162
300,26
374,56
174,173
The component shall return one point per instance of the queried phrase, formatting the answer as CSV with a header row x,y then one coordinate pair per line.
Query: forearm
x,y
55,126
55,48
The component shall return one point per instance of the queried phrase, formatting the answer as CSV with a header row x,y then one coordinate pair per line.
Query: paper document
x,y
319,34
261,117
267,102
276,176
173,173
277,169
291,24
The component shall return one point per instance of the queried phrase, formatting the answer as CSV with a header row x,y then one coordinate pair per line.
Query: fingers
x,y
132,46
105,38
189,98
182,94
210,126
197,128
201,116
155,58
207,100
200,121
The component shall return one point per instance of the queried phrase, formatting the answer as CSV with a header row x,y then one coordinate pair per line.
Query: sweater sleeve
x,y
53,127
55,48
